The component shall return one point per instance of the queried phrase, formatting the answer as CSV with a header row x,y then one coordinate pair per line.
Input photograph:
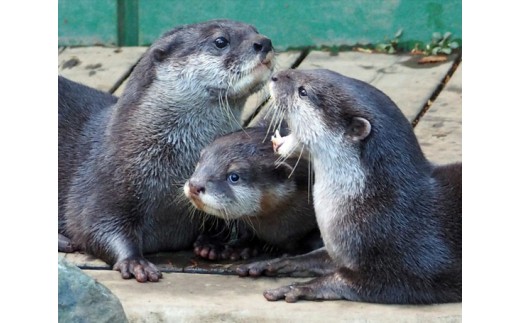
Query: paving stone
x,y
406,82
98,67
218,298
440,130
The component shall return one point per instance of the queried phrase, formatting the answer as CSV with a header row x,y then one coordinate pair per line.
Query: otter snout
x,y
263,45
196,188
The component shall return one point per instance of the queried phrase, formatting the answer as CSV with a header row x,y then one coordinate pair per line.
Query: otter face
x,y
318,109
226,59
323,116
238,177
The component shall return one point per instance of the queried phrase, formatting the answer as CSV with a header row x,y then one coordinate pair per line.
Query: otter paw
x,y
65,244
285,146
215,249
273,267
292,293
277,141
138,267
211,248
208,251
239,253
254,269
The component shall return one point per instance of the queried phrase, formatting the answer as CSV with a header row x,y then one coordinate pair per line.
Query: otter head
x,y
217,60
350,128
318,108
238,175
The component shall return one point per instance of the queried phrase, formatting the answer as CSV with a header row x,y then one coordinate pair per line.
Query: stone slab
x,y
219,298
439,131
406,82
99,67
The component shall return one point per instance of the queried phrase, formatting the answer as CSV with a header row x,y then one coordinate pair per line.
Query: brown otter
x,y
239,178
390,220
122,164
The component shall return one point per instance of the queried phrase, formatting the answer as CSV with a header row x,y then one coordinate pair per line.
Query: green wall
x,y
87,22
290,23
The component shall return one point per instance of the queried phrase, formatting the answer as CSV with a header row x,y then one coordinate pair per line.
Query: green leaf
x,y
381,47
399,33
446,50
436,37
454,44
447,35
435,50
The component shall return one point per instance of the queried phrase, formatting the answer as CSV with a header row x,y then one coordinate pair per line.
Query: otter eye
x,y
233,177
302,91
221,42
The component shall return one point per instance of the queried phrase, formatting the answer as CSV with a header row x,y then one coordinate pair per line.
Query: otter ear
x,y
359,129
159,54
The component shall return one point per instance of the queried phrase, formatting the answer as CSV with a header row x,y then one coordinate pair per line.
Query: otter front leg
x,y
123,248
330,287
316,262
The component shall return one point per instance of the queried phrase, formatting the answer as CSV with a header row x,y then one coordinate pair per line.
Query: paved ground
x,y
187,295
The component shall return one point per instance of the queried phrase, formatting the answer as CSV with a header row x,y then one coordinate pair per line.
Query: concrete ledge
x,y
181,297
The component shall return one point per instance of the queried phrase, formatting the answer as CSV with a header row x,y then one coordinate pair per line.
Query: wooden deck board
x,y
98,67
440,130
407,83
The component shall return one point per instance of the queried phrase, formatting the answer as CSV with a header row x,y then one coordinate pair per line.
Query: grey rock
x,y
82,299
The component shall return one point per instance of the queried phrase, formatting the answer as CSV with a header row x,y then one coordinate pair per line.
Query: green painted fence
x,y
290,23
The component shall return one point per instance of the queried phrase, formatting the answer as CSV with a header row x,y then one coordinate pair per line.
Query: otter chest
x,y
341,238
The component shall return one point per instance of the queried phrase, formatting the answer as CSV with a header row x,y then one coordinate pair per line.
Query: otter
x,y
122,164
390,220
239,178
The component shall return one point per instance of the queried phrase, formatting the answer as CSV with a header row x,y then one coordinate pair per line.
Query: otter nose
x,y
263,45
196,189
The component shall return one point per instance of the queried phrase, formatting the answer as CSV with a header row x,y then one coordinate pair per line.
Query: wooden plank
x,y
407,83
83,260
98,67
440,130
